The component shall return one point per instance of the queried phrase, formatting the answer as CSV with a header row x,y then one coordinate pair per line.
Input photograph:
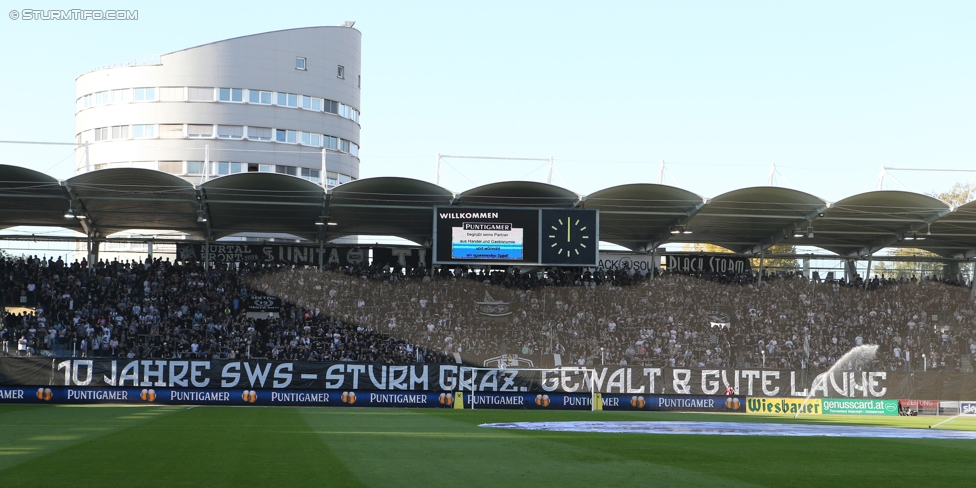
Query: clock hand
x,y
568,227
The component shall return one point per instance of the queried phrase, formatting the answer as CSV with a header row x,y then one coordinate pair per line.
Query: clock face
x,y
569,237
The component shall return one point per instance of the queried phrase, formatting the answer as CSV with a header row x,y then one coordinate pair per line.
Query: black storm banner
x,y
704,263
631,380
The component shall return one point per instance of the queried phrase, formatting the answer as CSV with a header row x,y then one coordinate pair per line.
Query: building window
x,y
101,134
288,136
171,167
287,99
102,98
143,131
343,145
330,142
315,140
230,132
265,168
120,132
311,103
286,170
201,94
344,179
354,149
194,167
171,94
332,106
121,96
259,133
231,95
341,72
194,131
170,131
226,168
300,63
257,96
144,94
310,174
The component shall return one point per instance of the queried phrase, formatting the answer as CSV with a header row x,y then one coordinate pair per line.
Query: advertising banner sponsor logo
x,y
16,394
367,398
859,407
783,406
677,403
920,404
967,408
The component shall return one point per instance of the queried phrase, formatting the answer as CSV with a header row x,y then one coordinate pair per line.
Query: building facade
x,y
284,101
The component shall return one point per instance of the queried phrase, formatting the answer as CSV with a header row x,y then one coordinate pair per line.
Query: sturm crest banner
x,y
627,380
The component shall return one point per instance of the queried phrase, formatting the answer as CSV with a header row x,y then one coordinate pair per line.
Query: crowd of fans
x,y
382,314
159,309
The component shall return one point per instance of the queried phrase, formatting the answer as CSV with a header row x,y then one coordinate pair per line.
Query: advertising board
x,y
853,406
784,406
967,408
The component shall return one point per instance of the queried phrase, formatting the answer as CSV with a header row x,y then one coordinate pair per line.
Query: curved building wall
x,y
243,104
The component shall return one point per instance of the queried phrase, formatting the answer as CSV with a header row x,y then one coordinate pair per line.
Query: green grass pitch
x,y
168,446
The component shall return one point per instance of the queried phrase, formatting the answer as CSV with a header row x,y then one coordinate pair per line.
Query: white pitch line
x,y
944,421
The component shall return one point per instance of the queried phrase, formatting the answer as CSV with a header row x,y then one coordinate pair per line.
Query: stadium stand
x,y
159,309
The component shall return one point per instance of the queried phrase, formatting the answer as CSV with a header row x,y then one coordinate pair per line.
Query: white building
x,y
284,101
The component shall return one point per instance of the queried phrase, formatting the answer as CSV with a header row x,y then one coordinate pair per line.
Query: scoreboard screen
x,y
507,236
486,235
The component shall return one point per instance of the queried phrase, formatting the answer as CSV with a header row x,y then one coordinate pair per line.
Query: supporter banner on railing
x,y
631,380
362,398
702,263
302,254
641,263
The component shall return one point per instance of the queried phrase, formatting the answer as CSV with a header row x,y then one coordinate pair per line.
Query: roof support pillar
x,y
867,273
950,270
850,270
972,285
762,264
92,252
206,253
321,252
654,262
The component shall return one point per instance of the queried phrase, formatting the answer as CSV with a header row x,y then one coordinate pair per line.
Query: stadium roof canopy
x,y
640,217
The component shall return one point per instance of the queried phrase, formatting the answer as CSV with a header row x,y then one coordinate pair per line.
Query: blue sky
x,y
829,91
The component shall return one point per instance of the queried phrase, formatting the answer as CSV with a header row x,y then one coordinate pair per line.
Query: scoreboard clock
x,y
516,236
569,237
